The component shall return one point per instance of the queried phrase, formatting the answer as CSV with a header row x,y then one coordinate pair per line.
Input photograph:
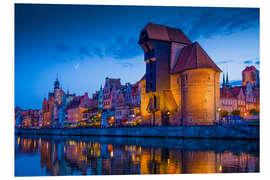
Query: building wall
x,y
162,55
146,116
175,118
106,95
251,76
100,99
228,104
74,115
199,96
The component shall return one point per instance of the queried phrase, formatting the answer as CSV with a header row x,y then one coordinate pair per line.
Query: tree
x,y
236,113
224,113
254,112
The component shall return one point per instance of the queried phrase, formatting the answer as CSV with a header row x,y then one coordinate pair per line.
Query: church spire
x,y
227,80
56,83
223,82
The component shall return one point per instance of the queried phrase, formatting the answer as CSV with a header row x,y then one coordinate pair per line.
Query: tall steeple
x,y
56,83
223,82
227,80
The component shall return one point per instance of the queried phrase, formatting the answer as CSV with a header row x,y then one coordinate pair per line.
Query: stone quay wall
x,y
218,132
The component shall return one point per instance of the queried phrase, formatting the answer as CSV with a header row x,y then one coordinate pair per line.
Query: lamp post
x,y
219,119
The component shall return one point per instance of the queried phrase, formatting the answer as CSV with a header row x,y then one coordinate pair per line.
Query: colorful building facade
x,y
244,98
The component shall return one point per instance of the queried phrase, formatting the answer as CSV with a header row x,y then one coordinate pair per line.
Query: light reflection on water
x,y
56,155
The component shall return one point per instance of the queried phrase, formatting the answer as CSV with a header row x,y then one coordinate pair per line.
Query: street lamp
x,y
219,119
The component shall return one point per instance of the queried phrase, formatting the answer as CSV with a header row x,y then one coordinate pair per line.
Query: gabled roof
x,y
250,68
115,82
193,56
235,90
164,33
74,103
226,93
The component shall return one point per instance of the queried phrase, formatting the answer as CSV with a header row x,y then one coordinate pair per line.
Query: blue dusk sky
x,y
83,44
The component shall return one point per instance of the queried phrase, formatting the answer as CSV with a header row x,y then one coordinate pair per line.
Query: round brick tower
x,y
200,96
199,86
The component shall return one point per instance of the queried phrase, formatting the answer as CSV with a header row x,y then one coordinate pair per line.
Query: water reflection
x,y
105,156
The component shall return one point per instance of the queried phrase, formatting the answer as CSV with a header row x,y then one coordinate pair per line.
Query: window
x,y
155,102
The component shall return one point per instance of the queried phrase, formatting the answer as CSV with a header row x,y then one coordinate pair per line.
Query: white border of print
x,y
7,84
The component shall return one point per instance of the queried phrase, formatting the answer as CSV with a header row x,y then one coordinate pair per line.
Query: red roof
x,y
164,33
250,68
193,56
116,82
236,90
226,93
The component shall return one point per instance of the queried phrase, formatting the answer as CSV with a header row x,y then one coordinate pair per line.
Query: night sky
x,y
83,44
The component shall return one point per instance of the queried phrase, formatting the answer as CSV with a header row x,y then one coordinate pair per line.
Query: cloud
x,y
98,52
64,48
224,21
225,62
125,64
248,62
123,48
252,61
84,50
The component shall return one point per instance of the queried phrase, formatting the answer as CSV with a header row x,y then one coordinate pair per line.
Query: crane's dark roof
x,y
165,33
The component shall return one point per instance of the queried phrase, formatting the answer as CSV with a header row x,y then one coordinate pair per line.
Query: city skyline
x,y
85,46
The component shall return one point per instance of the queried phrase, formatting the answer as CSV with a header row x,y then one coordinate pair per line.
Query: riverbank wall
x,y
216,132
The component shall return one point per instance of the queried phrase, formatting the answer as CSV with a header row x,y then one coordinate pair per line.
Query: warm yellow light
x,y
220,168
111,154
168,113
18,140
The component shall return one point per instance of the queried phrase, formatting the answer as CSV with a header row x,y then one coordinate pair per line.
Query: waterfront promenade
x,y
218,132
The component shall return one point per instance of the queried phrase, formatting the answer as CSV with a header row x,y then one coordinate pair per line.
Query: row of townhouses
x,y
114,104
181,86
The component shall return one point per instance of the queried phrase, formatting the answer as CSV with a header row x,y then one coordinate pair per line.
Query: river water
x,y
81,155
